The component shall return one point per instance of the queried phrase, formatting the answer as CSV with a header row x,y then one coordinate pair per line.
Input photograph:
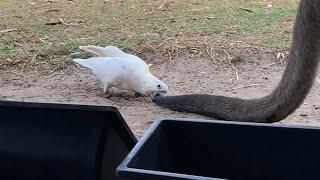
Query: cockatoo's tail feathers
x,y
147,70
79,61
99,51
114,50
108,51
84,63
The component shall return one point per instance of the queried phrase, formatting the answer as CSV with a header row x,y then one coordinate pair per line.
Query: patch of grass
x,y
136,24
45,30
275,42
9,51
269,26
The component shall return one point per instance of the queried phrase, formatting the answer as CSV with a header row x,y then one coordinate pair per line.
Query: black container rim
x,y
123,168
217,121
75,106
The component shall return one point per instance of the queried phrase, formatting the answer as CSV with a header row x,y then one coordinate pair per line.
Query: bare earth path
x,y
257,77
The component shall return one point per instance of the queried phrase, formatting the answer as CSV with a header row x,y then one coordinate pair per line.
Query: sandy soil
x,y
257,77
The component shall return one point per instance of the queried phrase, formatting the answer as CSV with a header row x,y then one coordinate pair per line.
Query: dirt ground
x,y
257,77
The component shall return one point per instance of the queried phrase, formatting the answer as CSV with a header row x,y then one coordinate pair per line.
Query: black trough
x,y
203,149
61,141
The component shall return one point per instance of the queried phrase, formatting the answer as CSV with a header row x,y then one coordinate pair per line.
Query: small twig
x,y
280,55
245,9
170,56
84,38
31,3
53,23
75,53
210,54
231,64
22,69
172,48
7,30
43,39
227,55
69,24
62,21
237,74
246,86
33,59
53,74
52,10
212,17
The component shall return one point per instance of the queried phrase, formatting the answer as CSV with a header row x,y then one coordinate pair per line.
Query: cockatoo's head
x,y
160,86
152,84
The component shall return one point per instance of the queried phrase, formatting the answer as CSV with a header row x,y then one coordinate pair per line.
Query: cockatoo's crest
x,y
147,70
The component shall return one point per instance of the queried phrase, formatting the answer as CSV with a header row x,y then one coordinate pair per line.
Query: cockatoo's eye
x,y
159,86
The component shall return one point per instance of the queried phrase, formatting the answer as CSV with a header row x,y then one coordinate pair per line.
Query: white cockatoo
x,y
114,68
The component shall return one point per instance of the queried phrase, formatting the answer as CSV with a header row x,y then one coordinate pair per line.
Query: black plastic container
x,y
61,141
203,149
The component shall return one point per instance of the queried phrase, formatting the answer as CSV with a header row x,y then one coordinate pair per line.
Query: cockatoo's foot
x,y
137,94
153,95
106,88
107,95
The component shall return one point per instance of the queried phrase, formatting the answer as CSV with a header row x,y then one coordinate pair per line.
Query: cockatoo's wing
x,y
105,68
108,51
115,51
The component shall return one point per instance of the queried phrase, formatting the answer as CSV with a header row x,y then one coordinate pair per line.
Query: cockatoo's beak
x,y
153,95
